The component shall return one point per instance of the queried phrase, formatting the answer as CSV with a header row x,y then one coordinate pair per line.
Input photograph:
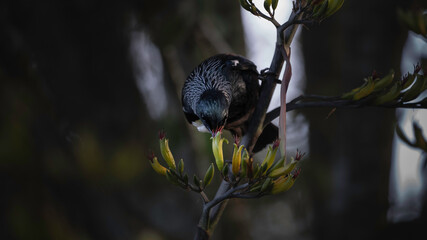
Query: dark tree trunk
x,y
350,151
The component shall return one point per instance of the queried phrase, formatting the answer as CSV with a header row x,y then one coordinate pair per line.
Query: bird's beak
x,y
215,131
206,125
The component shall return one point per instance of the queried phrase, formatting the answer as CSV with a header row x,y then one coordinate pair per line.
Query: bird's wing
x,y
240,63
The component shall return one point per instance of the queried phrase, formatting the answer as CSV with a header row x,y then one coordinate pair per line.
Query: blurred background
x,y
85,86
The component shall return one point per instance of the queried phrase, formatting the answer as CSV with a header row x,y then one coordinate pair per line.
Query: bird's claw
x,y
265,72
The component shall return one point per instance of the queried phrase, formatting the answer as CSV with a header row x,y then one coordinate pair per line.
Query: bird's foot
x,y
264,74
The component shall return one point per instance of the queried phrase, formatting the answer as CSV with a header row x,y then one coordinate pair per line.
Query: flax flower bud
x,y
269,158
217,142
286,169
237,158
283,170
284,183
246,168
156,165
207,179
165,150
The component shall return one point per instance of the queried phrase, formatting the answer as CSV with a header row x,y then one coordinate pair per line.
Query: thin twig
x,y
205,198
270,19
204,222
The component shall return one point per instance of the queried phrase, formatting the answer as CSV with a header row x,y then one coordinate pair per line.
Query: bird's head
x,y
212,109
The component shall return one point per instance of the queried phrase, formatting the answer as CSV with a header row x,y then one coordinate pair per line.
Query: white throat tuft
x,y
200,127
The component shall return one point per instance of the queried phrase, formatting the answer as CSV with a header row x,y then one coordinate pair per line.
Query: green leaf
x,y
255,188
225,171
267,5
185,179
408,81
333,7
274,4
245,4
254,10
415,90
384,82
366,90
263,169
208,175
267,183
256,170
389,96
181,166
320,10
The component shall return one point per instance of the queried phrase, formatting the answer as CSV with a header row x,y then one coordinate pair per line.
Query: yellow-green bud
x,y
156,165
366,90
181,166
385,81
208,175
237,158
245,5
281,171
267,183
269,158
415,90
284,183
333,7
196,181
320,9
389,96
217,142
274,4
278,164
165,150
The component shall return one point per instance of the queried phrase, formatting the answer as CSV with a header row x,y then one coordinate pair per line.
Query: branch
x,y
243,196
271,18
205,223
316,101
285,34
281,178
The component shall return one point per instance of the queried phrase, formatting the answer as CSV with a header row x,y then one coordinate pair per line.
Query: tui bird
x,y
222,92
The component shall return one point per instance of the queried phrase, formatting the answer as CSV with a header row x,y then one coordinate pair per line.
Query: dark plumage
x,y
222,92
